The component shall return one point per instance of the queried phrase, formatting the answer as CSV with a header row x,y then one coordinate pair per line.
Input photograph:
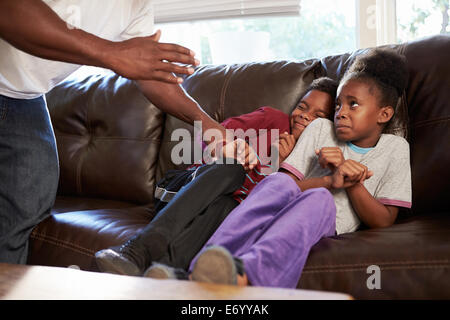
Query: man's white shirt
x,y
24,76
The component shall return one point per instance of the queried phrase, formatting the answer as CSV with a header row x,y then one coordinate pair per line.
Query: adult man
x,y
40,47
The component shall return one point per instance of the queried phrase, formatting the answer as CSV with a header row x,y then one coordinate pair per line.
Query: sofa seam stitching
x,y
65,244
109,138
223,95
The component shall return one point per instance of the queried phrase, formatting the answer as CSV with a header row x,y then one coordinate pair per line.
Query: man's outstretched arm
x,y
33,27
173,99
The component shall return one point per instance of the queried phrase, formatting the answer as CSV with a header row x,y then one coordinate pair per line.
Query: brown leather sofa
x,y
114,144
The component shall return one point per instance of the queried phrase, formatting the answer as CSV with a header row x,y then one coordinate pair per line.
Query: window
x,y
419,18
324,27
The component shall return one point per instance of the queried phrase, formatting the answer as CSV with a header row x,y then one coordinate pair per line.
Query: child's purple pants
x,y
274,228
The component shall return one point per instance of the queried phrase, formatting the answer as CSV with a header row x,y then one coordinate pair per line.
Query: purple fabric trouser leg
x,y
273,230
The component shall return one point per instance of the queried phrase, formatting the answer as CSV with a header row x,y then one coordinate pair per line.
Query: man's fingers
x,y
240,145
156,36
177,58
172,47
251,160
171,67
166,77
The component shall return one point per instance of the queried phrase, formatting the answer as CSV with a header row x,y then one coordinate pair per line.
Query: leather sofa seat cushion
x,y
73,237
413,252
108,137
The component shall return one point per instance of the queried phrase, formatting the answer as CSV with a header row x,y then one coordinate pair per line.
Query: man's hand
x,y
285,145
145,58
330,157
33,27
237,149
246,155
349,173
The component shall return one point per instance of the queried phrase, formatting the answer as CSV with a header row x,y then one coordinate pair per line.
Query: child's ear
x,y
385,114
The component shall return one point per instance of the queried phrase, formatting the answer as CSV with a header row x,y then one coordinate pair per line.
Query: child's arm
x,y
373,213
350,175
345,173
320,182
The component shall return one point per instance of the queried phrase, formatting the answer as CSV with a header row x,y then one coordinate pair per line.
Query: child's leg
x,y
152,242
278,256
190,201
244,225
185,246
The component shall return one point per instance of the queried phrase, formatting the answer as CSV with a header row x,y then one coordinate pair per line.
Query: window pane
x,y
420,18
324,28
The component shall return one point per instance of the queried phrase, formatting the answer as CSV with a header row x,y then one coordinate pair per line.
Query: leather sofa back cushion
x,y
428,97
108,137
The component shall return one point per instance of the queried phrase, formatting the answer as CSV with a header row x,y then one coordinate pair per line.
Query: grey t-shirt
x,y
389,161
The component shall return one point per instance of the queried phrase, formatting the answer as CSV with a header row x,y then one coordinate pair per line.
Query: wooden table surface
x,y
19,282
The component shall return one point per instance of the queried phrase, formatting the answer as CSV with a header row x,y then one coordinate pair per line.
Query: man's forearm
x,y
172,99
33,27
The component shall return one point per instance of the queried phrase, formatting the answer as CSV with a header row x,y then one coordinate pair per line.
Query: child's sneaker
x,y
217,265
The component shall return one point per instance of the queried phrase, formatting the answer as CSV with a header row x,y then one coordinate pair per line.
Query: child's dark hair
x,y
386,68
324,84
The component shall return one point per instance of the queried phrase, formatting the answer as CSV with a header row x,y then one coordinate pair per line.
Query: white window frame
x,y
189,10
376,23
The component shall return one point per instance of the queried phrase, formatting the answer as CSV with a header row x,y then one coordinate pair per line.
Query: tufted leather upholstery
x,y
113,143
105,128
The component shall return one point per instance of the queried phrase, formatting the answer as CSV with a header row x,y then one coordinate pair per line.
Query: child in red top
x,y
180,230
314,104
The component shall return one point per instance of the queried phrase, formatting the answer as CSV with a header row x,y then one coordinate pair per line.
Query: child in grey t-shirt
x,y
336,177
390,183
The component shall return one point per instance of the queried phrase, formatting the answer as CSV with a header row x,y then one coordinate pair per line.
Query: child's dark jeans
x,y
180,230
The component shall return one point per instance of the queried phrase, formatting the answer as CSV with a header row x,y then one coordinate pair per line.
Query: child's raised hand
x,y
349,173
330,157
285,145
